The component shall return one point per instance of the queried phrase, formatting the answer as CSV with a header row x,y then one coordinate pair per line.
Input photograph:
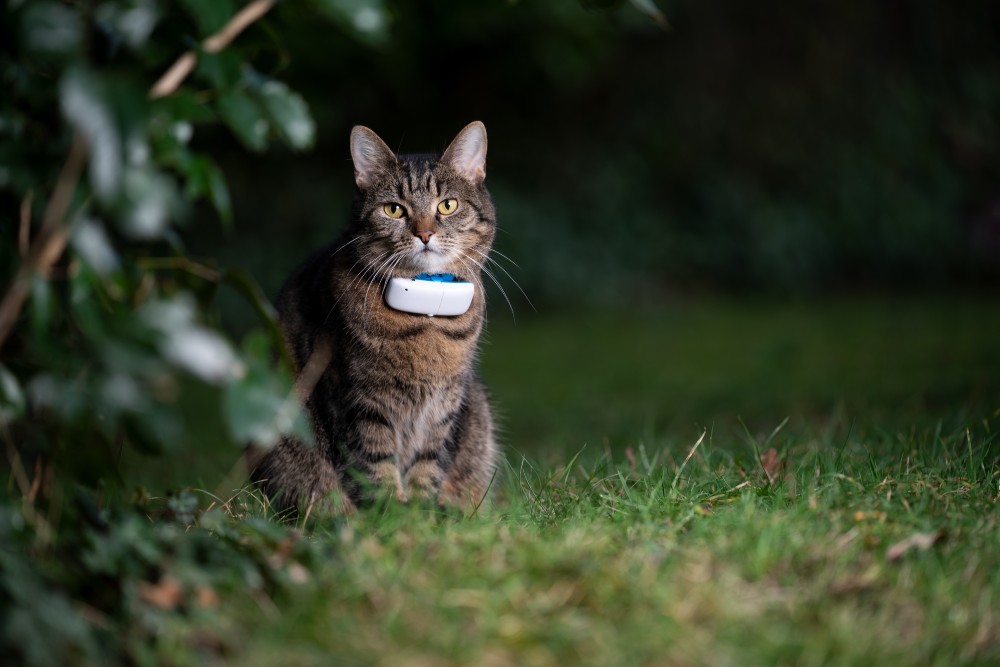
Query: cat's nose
x,y
424,235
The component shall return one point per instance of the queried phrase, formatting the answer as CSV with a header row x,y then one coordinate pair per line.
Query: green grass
x,y
565,381
830,502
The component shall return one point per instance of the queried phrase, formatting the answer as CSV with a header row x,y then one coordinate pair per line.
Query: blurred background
x,y
715,215
750,147
760,210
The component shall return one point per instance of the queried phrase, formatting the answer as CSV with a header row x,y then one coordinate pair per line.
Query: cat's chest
x,y
414,347
423,348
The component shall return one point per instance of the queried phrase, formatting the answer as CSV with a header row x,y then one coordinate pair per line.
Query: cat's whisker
x,y
477,280
356,238
369,268
473,275
507,273
354,281
362,272
377,274
496,282
494,251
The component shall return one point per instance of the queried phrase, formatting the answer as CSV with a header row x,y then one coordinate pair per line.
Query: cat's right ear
x,y
371,156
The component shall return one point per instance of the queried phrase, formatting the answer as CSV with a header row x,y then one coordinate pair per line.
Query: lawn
x,y
713,483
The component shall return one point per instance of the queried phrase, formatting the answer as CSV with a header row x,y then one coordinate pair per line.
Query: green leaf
x,y
244,117
91,243
262,406
52,28
209,15
218,194
367,19
649,8
85,103
288,113
131,21
11,397
150,201
184,106
223,70
205,178
43,307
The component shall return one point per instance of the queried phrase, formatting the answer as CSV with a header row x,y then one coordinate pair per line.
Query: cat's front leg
x,y
386,478
472,466
373,453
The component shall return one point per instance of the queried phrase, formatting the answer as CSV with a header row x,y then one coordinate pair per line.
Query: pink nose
x,y
424,235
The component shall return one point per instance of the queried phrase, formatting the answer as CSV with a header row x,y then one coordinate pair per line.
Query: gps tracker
x,y
430,294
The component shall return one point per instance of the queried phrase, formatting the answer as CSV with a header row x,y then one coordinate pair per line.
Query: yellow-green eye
x,y
448,206
394,210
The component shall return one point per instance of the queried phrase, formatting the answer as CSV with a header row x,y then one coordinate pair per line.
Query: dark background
x,y
780,148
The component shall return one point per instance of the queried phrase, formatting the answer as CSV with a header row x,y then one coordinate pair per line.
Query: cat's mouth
x,y
430,260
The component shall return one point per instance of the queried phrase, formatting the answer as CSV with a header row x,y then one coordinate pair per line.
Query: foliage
x,y
97,152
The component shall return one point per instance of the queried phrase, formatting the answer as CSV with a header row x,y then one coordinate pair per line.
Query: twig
x,y
23,235
51,239
179,71
180,264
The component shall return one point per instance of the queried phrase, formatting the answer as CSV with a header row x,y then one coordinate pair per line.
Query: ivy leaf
x,y
183,105
288,113
86,105
209,15
649,8
261,406
244,117
52,28
223,70
150,198
205,178
11,397
132,22
366,19
195,348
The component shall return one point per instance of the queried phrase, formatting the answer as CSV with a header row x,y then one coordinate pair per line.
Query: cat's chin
x,y
430,261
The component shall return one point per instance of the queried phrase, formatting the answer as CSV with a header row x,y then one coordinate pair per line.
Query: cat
x,y
393,398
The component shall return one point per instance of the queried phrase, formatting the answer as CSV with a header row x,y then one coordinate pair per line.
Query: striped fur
x,y
395,401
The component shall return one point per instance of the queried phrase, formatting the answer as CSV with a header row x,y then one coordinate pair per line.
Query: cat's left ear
x,y
371,156
467,153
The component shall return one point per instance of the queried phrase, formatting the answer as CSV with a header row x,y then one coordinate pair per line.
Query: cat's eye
x,y
448,206
394,210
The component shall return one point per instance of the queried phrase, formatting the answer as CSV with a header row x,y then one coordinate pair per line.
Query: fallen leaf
x,y
630,456
298,573
772,464
165,594
918,541
206,596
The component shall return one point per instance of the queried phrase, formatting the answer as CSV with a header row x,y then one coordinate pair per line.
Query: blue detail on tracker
x,y
438,277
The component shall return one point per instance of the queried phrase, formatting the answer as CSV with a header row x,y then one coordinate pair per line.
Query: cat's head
x,y
417,213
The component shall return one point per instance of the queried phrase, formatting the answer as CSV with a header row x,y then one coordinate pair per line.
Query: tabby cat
x,y
393,398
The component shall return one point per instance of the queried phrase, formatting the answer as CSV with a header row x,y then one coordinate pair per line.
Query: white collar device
x,y
430,294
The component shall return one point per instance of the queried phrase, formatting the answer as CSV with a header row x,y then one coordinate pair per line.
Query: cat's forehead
x,y
418,164
422,175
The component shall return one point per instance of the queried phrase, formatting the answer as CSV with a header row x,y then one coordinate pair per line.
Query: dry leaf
x,y
165,594
630,456
205,596
920,541
771,462
298,573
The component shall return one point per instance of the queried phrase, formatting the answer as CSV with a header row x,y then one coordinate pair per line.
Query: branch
x,y
51,240
179,71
